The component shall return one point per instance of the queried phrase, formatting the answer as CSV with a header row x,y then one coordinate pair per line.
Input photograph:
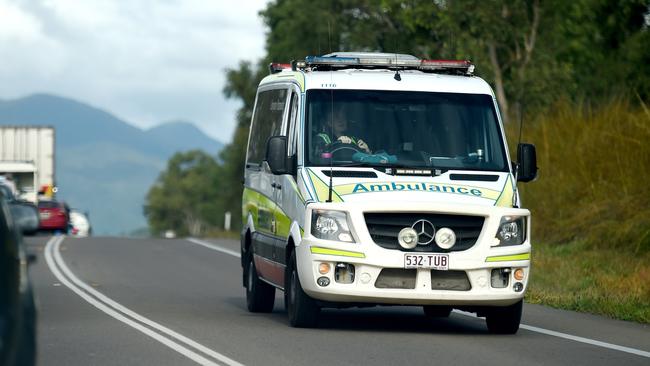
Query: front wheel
x,y
302,309
506,319
260,296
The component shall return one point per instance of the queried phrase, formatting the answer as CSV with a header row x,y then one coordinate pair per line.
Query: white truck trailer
x,y
27,158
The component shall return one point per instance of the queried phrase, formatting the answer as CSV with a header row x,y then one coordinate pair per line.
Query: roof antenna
x,y
330,188
329,34
521,128
397,76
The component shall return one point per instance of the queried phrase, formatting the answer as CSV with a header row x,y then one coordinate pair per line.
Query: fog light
x,y
519,274
344,273
324,268
323,281
445,238
518,287
407,238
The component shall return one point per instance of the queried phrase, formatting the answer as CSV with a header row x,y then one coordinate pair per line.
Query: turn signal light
x,y
324,268
519,274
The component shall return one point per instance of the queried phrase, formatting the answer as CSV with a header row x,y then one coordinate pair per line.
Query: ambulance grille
x,y
385,226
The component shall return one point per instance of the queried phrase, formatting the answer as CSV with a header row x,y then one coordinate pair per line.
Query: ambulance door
x,y
285,194
268,122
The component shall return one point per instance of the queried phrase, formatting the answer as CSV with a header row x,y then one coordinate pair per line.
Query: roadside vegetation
x,y
579,71
591,209
593,178
577,276
184,199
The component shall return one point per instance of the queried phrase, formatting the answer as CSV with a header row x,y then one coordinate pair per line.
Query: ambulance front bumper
x,y
380,276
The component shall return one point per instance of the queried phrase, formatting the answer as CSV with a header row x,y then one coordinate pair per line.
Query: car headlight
x,y
512,230
331,225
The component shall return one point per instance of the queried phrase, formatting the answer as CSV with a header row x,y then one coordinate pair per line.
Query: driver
x,y
338,125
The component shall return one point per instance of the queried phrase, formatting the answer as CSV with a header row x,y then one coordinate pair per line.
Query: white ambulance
x,y
383,179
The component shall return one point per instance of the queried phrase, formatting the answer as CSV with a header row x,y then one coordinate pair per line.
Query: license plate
x,y
434,261
45,215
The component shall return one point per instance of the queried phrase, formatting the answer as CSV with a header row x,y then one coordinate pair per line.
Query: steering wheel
x,y
343,150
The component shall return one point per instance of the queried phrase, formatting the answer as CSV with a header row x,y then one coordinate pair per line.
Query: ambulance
x,y
383,179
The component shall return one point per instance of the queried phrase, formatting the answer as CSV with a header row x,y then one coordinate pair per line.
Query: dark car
x,y
17,311
25,213
54,216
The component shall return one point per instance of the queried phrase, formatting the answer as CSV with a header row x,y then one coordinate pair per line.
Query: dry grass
x,y
222,234
594,182
591,206
600,281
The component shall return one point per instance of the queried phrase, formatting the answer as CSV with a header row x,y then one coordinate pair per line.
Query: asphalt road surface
x,y
115,301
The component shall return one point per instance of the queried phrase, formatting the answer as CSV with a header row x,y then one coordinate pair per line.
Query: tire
x,y
260,296
436,311
302,309
506,319
27,348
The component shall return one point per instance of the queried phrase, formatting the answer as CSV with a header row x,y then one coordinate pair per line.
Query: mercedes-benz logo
x,y
426,231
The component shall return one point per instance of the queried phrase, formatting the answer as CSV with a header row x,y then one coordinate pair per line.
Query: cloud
x,y
16,24
145,61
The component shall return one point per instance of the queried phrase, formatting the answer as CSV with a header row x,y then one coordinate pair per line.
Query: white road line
x,y
117,311
141,318
531,328
571,337
594,342
214,247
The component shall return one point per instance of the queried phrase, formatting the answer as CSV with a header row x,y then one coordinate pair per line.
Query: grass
x,y
591,209
222,234
602,281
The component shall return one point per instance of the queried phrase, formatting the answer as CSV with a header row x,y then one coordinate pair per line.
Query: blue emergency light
x,y
362,60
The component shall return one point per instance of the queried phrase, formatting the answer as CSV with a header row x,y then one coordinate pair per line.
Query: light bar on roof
x,y
331,60
365,61
276,67
447,64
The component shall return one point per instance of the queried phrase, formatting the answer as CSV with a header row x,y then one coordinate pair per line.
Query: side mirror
x,y
526,162
276,154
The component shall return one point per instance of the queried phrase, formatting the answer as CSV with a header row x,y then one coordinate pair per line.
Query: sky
x,y
145,61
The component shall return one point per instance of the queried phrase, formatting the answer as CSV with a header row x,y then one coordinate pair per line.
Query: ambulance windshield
x,y
403,128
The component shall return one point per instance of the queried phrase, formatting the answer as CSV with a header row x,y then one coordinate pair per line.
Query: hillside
x,y
182,136
105,165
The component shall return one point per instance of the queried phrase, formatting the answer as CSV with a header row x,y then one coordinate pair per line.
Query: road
x,y
116,301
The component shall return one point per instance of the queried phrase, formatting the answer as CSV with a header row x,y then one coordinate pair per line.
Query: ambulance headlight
x,y
331,225
512,230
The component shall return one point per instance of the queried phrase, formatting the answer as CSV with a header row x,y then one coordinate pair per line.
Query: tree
x,y
185,197
606,42
532,52
242,85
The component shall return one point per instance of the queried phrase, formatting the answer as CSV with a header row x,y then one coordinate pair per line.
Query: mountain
x,y
182,136
105,165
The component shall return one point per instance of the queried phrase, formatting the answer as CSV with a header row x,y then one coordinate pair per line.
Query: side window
x,y
294,111
266,123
